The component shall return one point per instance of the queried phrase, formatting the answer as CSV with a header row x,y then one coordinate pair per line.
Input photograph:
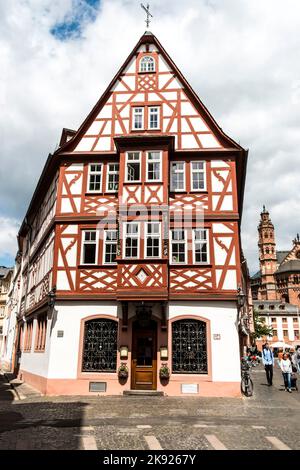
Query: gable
x,y
181,112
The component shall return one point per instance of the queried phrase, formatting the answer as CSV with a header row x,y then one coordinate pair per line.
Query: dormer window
x,y
147,64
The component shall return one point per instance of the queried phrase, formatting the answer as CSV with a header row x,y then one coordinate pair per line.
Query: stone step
x,y
143,393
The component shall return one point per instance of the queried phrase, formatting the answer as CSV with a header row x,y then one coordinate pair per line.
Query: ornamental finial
x,y
147,21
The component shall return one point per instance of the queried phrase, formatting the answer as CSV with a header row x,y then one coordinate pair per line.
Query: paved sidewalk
x,y
20,389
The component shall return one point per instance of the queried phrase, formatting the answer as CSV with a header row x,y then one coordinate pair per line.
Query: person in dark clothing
x,y
268,362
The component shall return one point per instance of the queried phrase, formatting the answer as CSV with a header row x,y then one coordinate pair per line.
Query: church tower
x,y
267,256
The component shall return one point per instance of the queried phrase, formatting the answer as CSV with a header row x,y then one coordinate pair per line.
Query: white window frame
x,y
83,241
176,241
141,63
126,167
194,246
184,177
158,117
204,175
125,236
133,118
151,161
105,242
108,172
89,175
149,235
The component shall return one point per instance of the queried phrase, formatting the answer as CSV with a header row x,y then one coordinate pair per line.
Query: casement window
x,y
41,331
138,118
178,246
154,166
295,320
89,247
132,241
95,177
28,336
112,183
177,176
198,182
147,64
273,319
153,117
110,246
200,246
153,240
133,166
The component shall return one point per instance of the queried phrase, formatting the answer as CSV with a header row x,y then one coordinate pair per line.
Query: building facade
x,y
5,280
276,286
131,245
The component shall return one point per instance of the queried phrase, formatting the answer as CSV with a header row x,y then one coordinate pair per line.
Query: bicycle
x,y
246,382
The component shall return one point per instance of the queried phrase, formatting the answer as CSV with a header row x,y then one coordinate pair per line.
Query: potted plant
x,y
123,371
164,372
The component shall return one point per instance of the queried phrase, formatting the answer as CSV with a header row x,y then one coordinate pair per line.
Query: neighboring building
x,y
283,318
276,286
12,308
5,279
104,284
279,275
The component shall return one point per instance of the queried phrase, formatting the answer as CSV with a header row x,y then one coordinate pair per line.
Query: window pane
x,y
89,253
137,118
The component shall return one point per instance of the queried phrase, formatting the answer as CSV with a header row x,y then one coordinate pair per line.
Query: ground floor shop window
x,y
100,346
189,347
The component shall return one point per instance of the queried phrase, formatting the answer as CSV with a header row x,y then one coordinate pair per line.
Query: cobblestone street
x,y
269,420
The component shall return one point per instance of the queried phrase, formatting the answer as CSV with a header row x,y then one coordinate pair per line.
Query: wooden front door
x,y
144,357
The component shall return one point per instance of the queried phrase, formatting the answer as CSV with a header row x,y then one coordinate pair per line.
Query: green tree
x,y
260,327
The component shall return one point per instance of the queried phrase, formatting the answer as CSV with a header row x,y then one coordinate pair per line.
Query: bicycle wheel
x,y
249,389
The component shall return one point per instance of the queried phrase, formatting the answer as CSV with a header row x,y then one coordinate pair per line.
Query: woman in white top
x,y
286,369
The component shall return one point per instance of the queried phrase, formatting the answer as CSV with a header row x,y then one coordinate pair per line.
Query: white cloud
x,y
240,57
8,240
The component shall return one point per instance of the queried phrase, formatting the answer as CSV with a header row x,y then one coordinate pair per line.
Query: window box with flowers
x,y
164,372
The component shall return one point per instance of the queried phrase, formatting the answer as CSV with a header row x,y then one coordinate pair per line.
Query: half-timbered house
x,y
131,245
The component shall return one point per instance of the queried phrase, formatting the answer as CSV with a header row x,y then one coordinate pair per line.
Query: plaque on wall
x,y
189,388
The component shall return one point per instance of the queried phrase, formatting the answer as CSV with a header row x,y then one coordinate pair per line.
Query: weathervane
x,y
147,21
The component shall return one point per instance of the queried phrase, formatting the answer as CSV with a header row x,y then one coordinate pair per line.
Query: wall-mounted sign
x,y
60,333
217,336
189,388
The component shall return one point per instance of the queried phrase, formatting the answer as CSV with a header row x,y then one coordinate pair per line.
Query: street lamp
x,y
241,297
52,297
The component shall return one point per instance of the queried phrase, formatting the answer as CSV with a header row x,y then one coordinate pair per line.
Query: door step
x,y
143,393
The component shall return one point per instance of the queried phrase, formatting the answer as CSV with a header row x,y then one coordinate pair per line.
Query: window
x,y
177,176
189,349
261,307
296,334
133,166
28,336
285,333
95,177
153,166
200,238
41,331
112,184
147,64
138,118
110,246
198,176
273,320
295,320
153,240
282,307
284,320
132,240
274,332
89,247
178,246
100,346
271,307
153,114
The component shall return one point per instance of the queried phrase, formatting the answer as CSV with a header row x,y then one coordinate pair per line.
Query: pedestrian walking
x,y
280,354
268,362
296,359
286,369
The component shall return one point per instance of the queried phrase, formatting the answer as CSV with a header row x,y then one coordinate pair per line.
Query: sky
x,y
240,56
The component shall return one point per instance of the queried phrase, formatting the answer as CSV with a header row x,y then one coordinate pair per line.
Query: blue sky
x,y
81,13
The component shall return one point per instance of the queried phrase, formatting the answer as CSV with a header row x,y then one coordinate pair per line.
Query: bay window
x,y
153,166
132,240
110,246
178,176
153,240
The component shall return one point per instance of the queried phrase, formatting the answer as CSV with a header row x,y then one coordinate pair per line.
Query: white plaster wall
x,y
223,321
64,351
